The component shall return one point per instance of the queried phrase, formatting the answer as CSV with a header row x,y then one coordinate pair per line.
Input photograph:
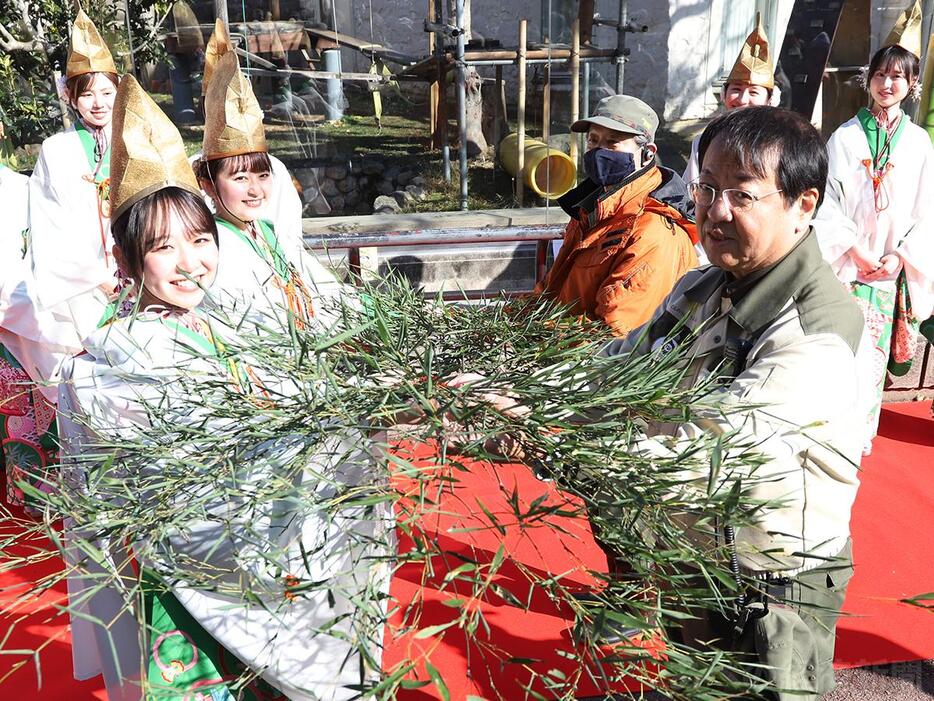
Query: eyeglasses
x,y
737,200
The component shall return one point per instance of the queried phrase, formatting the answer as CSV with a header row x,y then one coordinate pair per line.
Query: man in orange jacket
x,y
631,232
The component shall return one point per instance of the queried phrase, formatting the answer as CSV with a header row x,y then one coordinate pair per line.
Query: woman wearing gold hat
x,y
284,209
235,170
751,82
53,306
875,225
69,215
195,601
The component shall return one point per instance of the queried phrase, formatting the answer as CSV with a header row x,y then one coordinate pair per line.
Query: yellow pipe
x,y
549,172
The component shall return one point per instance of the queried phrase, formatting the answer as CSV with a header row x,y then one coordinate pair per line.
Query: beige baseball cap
x,y
624,113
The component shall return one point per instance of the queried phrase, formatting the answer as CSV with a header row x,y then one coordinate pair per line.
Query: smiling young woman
x,y
875,227
751,82
68,249
69,209
256,270
217,609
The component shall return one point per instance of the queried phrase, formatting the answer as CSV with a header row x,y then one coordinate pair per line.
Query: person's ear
x,y
648,153
807,208
208,188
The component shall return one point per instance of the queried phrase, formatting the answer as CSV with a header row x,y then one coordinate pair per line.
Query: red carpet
x,y
43,630
892,524
893,545
473,523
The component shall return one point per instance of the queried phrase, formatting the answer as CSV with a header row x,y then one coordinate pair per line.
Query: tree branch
x,y
33,32
35,39
10,43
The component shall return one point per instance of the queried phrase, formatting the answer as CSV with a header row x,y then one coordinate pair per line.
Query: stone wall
x,y
368,185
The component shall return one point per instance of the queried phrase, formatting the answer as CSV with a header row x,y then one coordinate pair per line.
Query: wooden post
x,y
520,117
575,86
546,103
499,113
585,14
433,86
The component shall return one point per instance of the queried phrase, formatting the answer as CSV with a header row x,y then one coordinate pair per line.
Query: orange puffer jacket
x,y
623,252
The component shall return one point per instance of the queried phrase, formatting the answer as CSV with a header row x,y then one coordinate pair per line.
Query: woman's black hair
x,y
256,162
138,230
895,56
762,140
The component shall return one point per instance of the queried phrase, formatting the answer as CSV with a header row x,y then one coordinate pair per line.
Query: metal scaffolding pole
x,y
622,23
220,11
462,102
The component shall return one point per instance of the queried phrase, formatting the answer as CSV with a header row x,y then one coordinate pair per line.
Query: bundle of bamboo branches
x,y
245,473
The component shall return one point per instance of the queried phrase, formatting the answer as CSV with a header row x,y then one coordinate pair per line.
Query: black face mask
x,y
608,167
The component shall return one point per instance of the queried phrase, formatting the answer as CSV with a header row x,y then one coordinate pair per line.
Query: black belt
x,y
771,587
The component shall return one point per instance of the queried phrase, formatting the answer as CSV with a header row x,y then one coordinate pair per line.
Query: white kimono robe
x,y
245,280
39,341
290,643
70,245
906,226
692,173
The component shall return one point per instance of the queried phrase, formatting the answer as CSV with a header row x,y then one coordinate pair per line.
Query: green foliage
x,y
308,444
27,94
30,109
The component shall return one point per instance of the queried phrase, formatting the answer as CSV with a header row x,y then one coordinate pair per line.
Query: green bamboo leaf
x,y
438,682
431,631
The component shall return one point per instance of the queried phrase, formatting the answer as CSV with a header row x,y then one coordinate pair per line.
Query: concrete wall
x,y
667,66
673,66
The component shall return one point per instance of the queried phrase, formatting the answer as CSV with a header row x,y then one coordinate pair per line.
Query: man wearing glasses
x,y
769,326
629,238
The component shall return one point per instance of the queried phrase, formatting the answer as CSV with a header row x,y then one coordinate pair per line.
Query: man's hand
x,y
506,403
504,445
888,268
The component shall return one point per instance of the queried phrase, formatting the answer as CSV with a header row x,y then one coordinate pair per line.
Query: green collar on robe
x,y
205,346
87,143
271,252
212,347
877,138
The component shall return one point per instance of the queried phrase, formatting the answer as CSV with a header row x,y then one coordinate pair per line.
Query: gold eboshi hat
x,y
753,65
147,154
233,120
218,45
907,30
89,52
